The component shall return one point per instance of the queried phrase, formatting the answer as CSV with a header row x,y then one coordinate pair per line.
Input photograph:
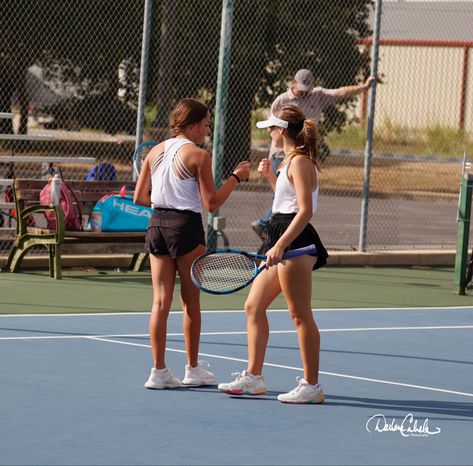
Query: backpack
x,y
102,172
118,212
70,206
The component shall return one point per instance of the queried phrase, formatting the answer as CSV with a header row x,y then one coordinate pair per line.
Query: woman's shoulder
x,y
158,149
301,161
192,154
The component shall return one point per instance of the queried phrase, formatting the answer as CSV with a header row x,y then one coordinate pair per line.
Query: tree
x,y
78,43
81,44
271,39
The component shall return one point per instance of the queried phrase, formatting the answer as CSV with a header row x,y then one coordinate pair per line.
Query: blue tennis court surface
x,y
398,384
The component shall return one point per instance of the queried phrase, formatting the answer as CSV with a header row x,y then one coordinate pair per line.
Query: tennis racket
x,y
139,156
225,271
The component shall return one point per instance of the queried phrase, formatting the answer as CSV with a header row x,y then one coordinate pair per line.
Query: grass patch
x,y
257,134
433,140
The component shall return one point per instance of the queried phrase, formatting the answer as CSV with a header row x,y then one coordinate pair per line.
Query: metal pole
x,y
140,118
369,130
221,107
463,233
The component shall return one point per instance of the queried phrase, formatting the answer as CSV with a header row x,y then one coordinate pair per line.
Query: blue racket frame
x,y
287,255
137,156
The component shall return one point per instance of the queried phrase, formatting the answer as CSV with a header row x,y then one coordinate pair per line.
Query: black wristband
x,y
236,177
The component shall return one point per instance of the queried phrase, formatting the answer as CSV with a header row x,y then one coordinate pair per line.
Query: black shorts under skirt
x,y
173,232
279,223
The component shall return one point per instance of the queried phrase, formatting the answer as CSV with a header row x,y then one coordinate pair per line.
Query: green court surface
x,y
333,287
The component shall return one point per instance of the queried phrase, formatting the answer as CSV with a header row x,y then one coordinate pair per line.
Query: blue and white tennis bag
x,y
118,212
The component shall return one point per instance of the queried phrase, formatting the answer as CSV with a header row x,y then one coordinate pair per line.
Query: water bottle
x,y
95,221
55,189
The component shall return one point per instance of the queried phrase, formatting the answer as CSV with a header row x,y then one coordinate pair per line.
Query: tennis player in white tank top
x,y
176,179
295,202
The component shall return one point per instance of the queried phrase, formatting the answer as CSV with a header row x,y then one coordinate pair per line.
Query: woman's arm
x,y
212,198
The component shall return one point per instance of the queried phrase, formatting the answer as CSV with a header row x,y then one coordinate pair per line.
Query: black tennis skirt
x,y
279,223
174,232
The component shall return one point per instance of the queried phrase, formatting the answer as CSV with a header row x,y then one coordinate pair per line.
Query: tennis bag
x,y
70,206
118,212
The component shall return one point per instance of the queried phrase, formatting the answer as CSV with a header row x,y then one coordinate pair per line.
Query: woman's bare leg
x,y
190,300
263,291
295,277
163,274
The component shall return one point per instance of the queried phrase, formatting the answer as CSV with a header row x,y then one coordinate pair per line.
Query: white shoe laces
x,y
204,364
299,386
168,376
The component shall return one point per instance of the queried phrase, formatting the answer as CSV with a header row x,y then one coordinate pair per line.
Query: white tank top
x,y
173,185
285,201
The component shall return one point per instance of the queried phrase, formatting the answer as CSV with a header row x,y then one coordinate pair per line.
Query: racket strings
x,y
223,272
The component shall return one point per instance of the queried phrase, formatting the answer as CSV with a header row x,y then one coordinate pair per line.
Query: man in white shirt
x,y
313,101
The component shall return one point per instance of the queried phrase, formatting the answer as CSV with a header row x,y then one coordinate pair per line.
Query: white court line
x,y
131,335
240,311
332,374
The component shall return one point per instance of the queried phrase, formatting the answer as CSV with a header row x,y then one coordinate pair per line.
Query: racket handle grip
x,y
300,252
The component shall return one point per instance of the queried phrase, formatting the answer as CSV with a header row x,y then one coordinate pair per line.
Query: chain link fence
x,y
70,75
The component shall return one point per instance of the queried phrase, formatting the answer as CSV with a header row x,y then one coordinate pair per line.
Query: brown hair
x,y
304,132
187,112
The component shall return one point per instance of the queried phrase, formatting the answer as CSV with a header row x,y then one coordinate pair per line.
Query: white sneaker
x,y
198,375
162,378
304,393
244,384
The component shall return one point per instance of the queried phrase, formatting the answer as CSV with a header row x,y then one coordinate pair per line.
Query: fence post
x,y
220,108
369,130
463,233
140,117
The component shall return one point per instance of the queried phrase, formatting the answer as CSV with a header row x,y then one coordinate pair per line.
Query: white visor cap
x,y
272,121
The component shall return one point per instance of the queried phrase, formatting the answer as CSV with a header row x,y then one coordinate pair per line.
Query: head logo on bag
x,y
118,212
70,206
122,203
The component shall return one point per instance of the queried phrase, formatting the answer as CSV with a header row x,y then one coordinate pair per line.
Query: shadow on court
x,y
463,410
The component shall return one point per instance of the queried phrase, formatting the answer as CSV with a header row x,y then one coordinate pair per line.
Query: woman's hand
x,y
264,168
242,170
274,255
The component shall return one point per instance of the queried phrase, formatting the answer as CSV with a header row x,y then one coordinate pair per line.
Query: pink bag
x,y
70,206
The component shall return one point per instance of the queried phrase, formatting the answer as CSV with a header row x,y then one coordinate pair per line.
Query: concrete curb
x,y
427,258
423,258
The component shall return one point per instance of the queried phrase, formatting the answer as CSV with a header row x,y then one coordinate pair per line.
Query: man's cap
x,y
304,79
272,121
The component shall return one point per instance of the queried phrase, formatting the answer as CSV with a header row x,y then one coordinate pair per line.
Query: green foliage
x,y
271,39
150,115
83,42
445,140
257,134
